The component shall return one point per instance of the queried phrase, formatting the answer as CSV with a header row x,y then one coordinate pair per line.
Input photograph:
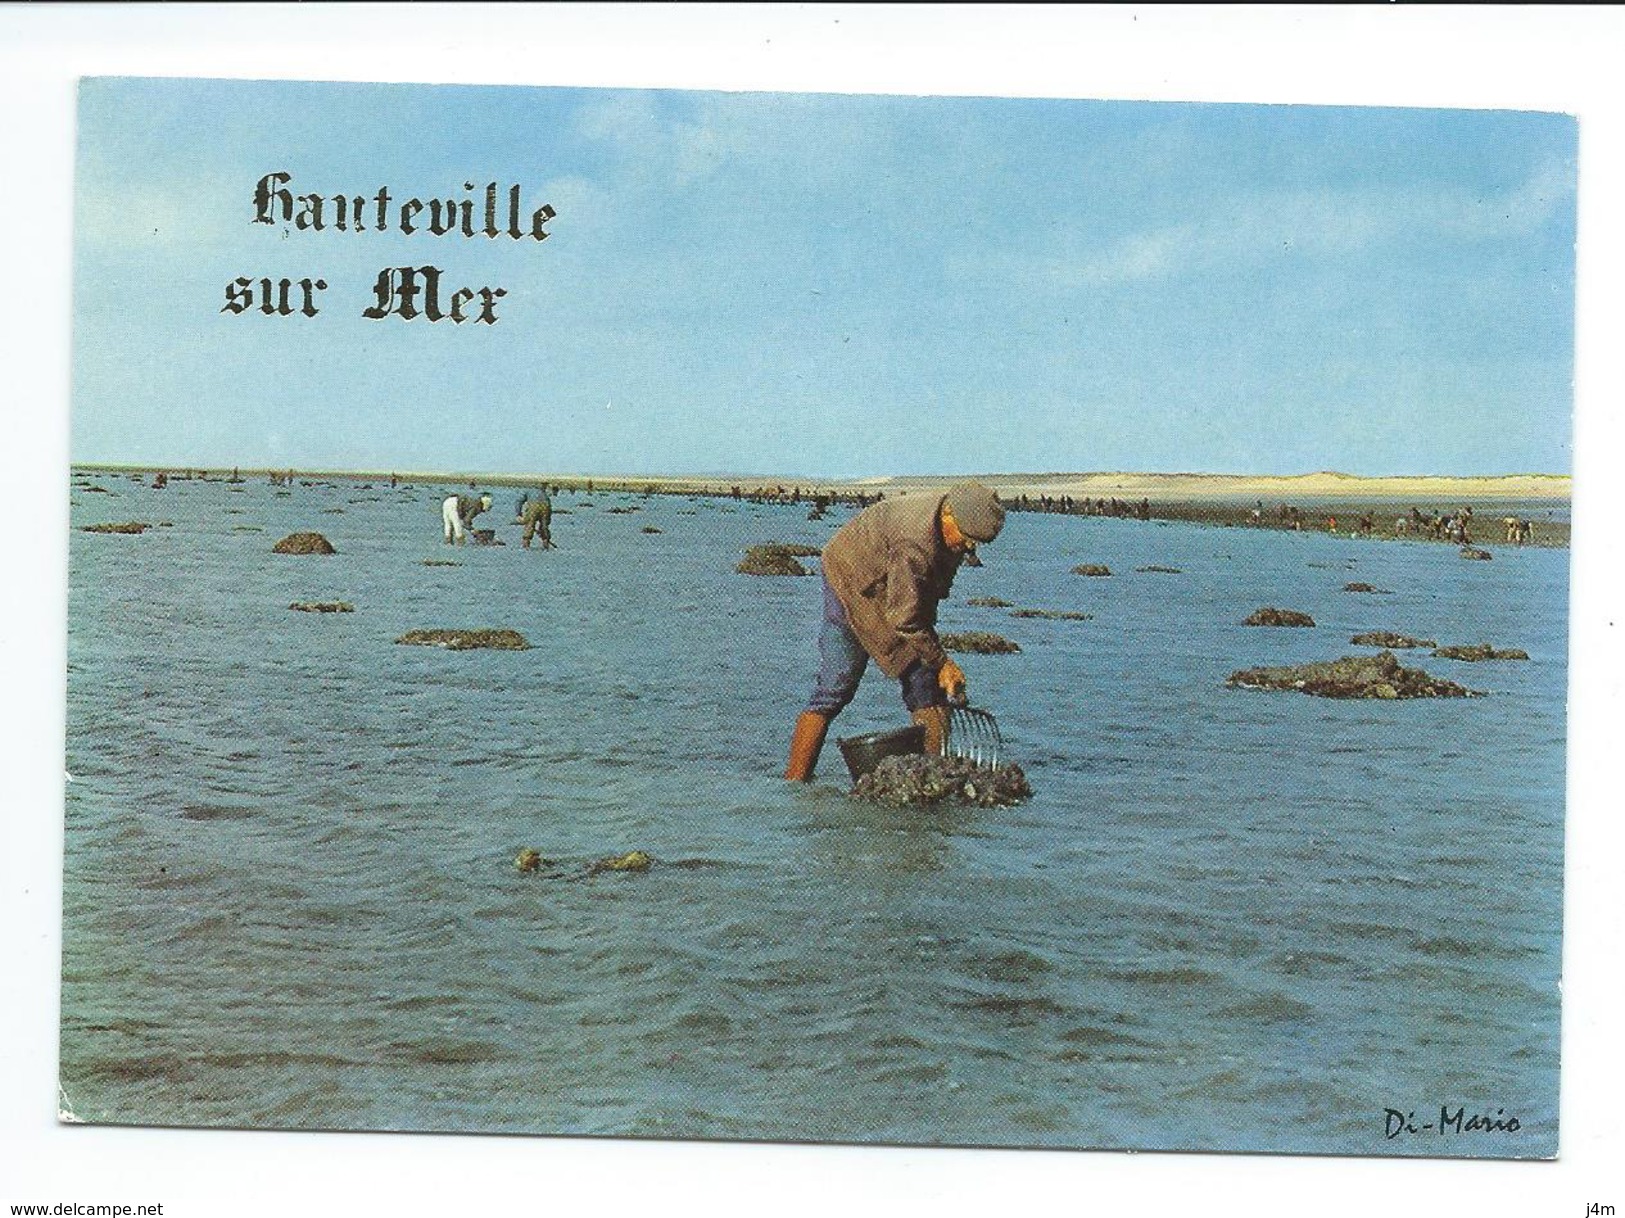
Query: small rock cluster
x,y
921,778
1480,651
304,543
775,559
1279,617
1387,638
979,642
466,640
1378,676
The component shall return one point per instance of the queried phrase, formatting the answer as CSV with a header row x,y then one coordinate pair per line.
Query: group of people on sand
x,y
533,510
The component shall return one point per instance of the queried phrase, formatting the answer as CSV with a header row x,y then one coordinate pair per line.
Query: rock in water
x,y
989,602
1475,552
466,640
979,642
133,526
770,560
1387,638
920,778
1279,617
637,860
1378,676
1480,651
323,606
1052,615
1357,587
304,543
1091,568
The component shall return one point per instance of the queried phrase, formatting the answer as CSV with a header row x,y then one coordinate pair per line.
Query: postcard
x,y
801,617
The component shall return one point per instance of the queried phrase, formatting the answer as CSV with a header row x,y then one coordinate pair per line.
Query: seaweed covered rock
x,y
1279,617
1091,568
1387,638
979,642
1053,615
529,860
466,640
1475,553
1359,587
440,562
1480,651
304,543
920,778
770,559
990,602
1156,570
1378,676
323,606
649,528
794,549
636,860
132,526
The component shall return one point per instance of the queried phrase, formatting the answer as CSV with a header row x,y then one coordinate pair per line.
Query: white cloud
x,y
1246,231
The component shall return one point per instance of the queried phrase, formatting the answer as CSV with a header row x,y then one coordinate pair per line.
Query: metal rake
x,y
973,734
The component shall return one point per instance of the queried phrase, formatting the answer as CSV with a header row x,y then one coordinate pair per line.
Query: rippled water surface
x,y
1227,920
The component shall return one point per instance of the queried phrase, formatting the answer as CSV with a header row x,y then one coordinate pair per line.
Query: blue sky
x,y
823,285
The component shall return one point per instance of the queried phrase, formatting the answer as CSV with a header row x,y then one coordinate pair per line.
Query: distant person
x,y
535,511
884,573
458,512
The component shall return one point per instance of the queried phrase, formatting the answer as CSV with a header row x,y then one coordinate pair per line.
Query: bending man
x,y
535,511
885,571
458,512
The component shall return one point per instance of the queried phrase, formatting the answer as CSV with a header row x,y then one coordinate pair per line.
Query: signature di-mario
x,y
1451,1120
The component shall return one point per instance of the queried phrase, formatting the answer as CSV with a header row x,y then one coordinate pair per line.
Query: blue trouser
x,y
842,659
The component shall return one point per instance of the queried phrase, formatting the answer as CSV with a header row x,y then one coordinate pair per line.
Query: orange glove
x,y
951,679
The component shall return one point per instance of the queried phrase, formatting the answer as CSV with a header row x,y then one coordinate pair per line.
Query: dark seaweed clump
x,y
1475,552
637,860
1357,587
1480,651
304,543
1279,617
1387,638
1052,615
323,606
133,526
1091,568
990,602
979,642
1160,570
1378,676
771,559
920,778
466,640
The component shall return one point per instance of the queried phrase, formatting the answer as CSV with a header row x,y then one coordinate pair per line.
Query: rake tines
x,y
974,735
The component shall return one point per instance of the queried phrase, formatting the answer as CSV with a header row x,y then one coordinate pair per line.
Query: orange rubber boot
x,y
805,745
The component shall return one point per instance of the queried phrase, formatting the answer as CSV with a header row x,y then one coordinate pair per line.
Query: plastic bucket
x,y
864,753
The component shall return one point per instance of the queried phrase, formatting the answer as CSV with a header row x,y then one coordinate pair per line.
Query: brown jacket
x,y
888,566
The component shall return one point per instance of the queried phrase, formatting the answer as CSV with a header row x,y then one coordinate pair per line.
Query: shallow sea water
x,y
1228,920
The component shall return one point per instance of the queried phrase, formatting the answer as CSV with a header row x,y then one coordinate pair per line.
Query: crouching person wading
x,y
457,515
885,571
